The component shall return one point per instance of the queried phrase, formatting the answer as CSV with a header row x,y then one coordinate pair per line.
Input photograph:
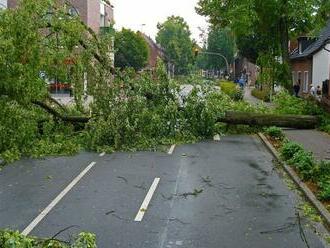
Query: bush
x,y
275,133
288,104
18,127
322,173
263,95
13,239
232,90
305,164
324,191
289,149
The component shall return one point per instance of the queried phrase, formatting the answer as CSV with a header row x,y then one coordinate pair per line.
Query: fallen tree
x,y
57,115
253,119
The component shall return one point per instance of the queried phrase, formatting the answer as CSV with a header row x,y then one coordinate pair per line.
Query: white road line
x,y
43,214
102,154
170,152
147,200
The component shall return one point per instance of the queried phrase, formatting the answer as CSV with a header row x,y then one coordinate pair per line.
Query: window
x,y
299,77
102,20
73,11
102,15
306,84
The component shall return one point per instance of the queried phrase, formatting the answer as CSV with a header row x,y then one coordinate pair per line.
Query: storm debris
x,y
195,193
124,179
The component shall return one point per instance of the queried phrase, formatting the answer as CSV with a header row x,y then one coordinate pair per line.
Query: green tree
x,y
131,50
41,37
276,21
174,36
220,41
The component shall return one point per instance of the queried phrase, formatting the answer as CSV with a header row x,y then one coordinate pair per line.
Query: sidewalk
x,y
253,100
312,140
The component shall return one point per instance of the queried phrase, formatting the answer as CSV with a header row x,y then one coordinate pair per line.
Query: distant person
x,y
318,91
312,91
296,88
241,82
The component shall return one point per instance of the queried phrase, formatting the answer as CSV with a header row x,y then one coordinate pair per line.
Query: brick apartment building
x,y
95,13
155,52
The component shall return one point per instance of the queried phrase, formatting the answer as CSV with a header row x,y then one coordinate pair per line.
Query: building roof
x,y
315,46
151,42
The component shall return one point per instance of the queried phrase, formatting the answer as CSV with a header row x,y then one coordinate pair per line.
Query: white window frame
x,y
306,82
299,76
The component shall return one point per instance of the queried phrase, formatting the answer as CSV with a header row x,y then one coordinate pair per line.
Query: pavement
x,y
212,194
312,140
253,100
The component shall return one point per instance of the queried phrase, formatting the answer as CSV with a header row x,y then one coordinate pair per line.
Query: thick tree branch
x,y
57,115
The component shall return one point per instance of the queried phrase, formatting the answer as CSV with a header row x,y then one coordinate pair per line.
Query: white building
x,y
3,4
310,61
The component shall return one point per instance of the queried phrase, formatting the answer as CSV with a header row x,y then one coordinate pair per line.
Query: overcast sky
x,y
132,14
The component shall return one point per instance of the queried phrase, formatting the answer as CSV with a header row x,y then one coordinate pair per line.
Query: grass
x,y
232,90
263,95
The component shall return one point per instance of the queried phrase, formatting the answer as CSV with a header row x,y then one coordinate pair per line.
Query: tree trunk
x,y
264,120
284,42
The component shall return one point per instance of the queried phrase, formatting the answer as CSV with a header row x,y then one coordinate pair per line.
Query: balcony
x,y
107,31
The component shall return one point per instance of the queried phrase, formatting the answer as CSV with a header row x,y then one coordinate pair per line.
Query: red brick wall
x,y
93,20
81,6
11,3
302,66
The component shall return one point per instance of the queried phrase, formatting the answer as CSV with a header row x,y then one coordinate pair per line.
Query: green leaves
x,y
13,239
131,50
174,36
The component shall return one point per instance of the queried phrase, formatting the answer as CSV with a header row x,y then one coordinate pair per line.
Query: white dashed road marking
x,y
147,200
102,154
46,211
170,152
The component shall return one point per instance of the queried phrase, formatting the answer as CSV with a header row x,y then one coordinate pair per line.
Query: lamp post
x,y
216,54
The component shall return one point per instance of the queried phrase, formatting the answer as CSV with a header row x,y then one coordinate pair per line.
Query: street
x,y
212,194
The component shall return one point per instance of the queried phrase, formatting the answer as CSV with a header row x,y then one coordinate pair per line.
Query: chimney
x,y
304,42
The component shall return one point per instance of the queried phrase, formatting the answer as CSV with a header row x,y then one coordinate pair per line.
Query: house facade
x,y
310,60
155,51
243,67
96,14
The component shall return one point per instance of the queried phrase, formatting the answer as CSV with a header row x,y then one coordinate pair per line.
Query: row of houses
x,y
96,14
310,63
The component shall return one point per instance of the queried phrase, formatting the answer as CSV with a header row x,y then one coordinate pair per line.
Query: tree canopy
x,y
131,50
266,25
41,40
174,36
220,40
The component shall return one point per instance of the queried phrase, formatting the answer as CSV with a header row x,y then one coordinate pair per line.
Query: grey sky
x,y
132,14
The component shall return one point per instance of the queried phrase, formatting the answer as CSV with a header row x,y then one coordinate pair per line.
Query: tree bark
x,y
264,120
70,119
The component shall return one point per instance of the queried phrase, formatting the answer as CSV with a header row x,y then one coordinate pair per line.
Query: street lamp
x,y
216,54
142,26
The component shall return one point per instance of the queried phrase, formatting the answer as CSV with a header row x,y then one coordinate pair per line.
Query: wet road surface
x,y
210,195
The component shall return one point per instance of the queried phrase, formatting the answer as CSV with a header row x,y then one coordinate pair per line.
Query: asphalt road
x,y
210,195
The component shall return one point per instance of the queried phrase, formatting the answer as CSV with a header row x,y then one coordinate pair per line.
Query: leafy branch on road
x,y
9,239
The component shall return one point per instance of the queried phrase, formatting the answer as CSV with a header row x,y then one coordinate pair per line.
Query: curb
x,y
302,186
